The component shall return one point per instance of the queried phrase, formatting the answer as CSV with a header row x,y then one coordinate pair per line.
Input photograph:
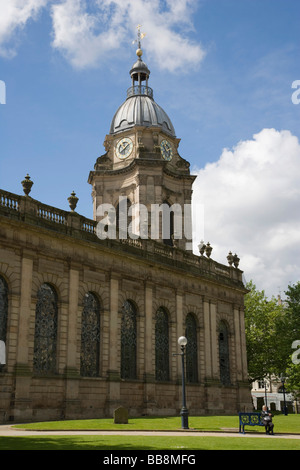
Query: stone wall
x,y
69,257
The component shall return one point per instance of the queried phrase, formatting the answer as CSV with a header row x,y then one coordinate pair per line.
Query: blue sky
x,y
221,69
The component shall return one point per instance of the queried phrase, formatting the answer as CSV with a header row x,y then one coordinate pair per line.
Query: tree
x,y
292,335
293,380
288,327
264,348
293,311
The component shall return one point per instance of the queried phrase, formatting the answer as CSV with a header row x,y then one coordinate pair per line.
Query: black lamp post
x,y
182,341
266,399
285,412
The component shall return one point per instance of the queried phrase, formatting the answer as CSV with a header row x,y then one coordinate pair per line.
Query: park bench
x,y
249,419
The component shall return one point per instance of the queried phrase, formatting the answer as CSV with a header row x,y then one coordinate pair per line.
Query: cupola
x,y
139,108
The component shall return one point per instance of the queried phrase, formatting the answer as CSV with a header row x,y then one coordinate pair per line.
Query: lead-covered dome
x,y
140,109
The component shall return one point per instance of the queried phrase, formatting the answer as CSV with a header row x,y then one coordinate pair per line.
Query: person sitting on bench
x,y
266,418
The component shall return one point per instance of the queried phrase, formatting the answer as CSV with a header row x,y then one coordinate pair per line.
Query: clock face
x,y
124,148
166,150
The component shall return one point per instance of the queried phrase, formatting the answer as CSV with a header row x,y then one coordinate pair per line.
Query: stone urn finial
x,y
73,199
27,185
236,261
208,250
201,247
230,258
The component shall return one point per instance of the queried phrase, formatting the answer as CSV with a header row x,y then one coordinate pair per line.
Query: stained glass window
x,y
45,337
161,345
224,354
191,350
128,341
90,337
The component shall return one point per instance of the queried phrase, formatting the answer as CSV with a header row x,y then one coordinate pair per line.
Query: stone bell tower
x,y
142,167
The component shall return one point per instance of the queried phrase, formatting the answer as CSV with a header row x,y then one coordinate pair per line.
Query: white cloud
x,y
251,199
14,15
87,32
75,33
85,36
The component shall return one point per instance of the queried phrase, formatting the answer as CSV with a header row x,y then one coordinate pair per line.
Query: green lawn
x,y
283,424
129,443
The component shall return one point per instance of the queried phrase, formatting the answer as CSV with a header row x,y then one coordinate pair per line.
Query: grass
x,y
149,444
283,424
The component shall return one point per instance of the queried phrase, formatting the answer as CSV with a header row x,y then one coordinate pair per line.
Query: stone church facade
x,y
90,323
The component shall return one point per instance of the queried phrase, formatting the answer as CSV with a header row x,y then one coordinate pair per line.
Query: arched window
x,y
90,336
162,345
3,308
3,315
128,341
224,354
191,349
45,337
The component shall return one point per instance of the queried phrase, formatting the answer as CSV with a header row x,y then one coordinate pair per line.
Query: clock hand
x,y
124,148
122,144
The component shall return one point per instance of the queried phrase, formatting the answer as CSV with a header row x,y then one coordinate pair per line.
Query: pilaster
x,y
149,376
238,345
210,340
21,404
72,401
180,331
113,374
243,346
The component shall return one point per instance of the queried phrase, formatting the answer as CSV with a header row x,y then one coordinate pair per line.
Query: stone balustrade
x,y
31,211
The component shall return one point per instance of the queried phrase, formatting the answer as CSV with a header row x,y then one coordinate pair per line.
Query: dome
x,y
141,110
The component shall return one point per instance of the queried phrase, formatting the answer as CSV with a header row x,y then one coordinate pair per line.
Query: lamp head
x,y
182,341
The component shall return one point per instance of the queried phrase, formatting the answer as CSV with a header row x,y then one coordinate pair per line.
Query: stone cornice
x,y
142,162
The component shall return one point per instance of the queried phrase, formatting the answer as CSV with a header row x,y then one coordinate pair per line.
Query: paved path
x,y
6,430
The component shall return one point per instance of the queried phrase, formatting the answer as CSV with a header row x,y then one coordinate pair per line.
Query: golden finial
x,y
141,36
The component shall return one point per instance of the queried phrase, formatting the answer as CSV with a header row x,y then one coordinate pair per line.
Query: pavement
x,y
10,431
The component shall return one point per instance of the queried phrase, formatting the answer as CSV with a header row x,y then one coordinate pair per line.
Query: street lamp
x,y
282,378
182,341
266,400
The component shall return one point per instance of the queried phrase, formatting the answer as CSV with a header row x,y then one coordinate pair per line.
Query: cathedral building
x,y
91,310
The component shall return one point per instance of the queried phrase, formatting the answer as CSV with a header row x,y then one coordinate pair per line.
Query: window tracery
x,y
45,337
90,336
224,354
3,313
128,341
191,350
3,308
